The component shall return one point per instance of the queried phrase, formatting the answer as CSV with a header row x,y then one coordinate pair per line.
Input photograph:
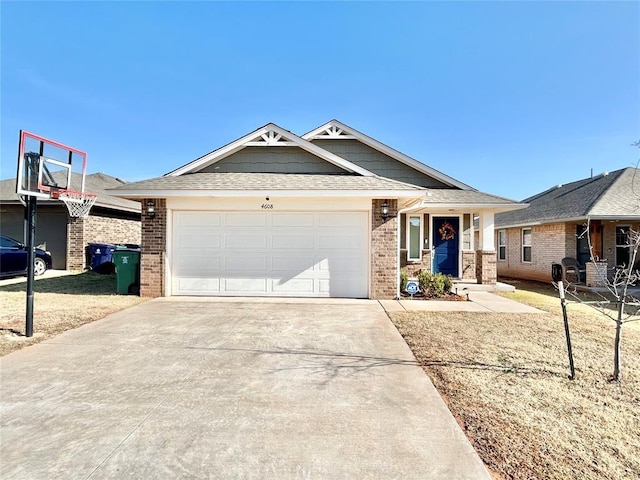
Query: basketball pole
x,y
32,207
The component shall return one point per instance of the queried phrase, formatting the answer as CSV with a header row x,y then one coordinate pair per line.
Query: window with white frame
x,y
467,235
414,237
526,245
502,244
623,247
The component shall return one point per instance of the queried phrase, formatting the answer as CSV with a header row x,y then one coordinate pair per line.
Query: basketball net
x,y
78,203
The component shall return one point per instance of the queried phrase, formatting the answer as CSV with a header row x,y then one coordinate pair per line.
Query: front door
x,y
582,243
446,245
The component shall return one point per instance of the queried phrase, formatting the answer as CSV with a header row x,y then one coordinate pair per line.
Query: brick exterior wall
x,y
550,244
468,265
413,268
154,246
384,245
100,229
486,267
97,229
75,244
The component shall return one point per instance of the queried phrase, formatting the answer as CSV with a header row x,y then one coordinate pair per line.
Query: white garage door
x,y
270,254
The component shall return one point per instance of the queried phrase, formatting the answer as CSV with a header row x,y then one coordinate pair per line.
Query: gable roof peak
x,y
336,130
269,135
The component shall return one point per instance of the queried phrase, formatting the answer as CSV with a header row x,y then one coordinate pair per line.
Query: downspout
x,y
400,212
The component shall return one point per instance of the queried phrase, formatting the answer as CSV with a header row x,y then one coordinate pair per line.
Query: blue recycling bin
x,y
100,257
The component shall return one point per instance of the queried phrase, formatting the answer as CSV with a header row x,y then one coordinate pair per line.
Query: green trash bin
x,y
127,262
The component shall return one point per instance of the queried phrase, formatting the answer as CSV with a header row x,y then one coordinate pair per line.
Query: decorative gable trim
x,y
338,130
271,135
332,132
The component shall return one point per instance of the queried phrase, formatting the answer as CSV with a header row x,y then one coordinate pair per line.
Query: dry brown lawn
x,y
505,378
60,303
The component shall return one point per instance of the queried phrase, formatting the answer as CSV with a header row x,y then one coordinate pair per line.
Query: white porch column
x,y
487,241
486,253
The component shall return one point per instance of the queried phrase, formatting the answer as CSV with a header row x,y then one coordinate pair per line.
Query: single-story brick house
x,y
111,220
554,227
332,213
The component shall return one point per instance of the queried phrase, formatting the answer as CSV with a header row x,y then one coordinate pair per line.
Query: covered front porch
x,y
443,239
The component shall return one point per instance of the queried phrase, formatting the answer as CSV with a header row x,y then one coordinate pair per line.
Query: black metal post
x,y
563,302
32,207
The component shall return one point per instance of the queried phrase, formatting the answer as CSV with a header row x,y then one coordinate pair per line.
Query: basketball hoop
x,y
78,203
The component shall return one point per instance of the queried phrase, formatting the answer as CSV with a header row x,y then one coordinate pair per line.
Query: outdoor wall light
x,y
151,209
384,209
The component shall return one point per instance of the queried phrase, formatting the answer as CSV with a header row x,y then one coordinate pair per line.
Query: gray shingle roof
x,y
451,196
616,194
264,181
95,183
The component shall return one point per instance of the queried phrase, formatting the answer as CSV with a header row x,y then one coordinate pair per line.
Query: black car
x,y
14,255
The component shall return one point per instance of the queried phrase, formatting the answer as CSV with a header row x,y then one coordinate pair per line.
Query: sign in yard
x,y
411,288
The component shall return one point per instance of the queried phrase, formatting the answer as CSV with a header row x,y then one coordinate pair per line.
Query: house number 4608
x,y
267,206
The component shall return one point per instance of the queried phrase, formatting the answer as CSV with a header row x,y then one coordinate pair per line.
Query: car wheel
x,y
39,267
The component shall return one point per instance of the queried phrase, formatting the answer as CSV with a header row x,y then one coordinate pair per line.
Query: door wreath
x,y
447,231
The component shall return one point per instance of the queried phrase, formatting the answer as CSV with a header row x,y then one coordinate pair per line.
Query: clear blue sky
x,y
508,97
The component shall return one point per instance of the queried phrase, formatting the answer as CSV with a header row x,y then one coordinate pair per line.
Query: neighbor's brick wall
x,y
101,229
75,243
97,229
550,244
384,245
154,244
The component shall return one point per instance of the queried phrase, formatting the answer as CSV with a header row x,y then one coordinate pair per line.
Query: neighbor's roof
x,y
614,195
240,184
96,183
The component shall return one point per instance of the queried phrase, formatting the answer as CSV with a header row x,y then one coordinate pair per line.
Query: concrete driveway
x,y
215,388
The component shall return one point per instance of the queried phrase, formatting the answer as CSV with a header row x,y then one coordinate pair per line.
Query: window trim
x,y
420,218
617,246
502,245
529,246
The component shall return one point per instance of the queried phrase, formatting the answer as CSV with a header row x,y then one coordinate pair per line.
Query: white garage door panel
x,y
289,220
292,242
199,241
195,264
270,253
245,220
234,240
198,220
205,286
302,286
244,264
250,285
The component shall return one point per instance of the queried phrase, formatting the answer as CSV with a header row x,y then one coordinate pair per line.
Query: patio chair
x,y
572,271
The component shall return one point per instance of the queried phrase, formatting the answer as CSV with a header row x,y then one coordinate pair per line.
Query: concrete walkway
x,y
479,301
228,388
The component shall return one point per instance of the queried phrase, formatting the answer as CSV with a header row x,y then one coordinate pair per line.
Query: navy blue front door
x,y
446,242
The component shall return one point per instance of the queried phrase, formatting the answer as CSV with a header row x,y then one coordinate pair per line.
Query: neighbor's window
x,y
414,237
502,244
623,248
526,245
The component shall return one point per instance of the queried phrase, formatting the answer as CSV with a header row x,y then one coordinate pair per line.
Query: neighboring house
x,y
332,213
111,220
554,227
